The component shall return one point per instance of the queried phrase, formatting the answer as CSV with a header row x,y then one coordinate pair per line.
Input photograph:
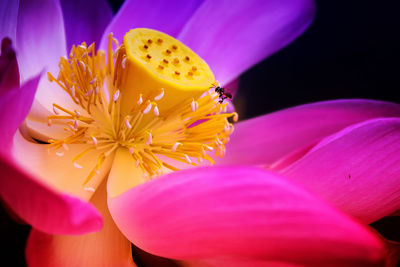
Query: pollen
x,y
124,100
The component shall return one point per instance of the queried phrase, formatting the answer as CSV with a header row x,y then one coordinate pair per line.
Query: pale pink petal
x,y
242,213
356,169
57,169
107,247
14,106
42,207
267,138
232,36
85,20
8,18
166,16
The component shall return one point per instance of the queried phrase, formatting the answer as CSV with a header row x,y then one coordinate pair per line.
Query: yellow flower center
x,y
152,96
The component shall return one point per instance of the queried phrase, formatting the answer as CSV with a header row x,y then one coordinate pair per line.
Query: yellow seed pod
x,y
156,61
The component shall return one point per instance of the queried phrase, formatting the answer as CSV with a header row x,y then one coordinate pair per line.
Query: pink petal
x,y
356,169
42,207
166,16
40,36
9,72
14,106
8,18
107,247
239,213
85,21
232,36
267,138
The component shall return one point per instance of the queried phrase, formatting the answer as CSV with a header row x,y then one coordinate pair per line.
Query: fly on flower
x,y
221,93
148,97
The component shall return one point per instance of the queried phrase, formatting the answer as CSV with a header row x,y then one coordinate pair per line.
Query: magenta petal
x,y
8,18
40,36
356,169
232,36
274,135
43,208
14,107
85,21
238,212
166,16
9,73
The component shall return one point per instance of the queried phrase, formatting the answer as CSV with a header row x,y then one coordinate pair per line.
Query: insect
x,y
222,94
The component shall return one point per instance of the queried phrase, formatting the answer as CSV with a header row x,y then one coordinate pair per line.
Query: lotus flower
x,y
245,212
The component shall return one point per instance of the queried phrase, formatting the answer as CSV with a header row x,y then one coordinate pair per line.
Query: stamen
x,y
149,139
76,165
55,110
104,121
158,97
94,140
147,109
194,105
127,124
156,111
116,96
175,146
140,101
188,159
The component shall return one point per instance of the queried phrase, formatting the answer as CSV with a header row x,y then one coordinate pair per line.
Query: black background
x,y
350,51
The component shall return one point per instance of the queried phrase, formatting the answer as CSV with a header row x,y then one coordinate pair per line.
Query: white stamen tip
x,y
55,110
65,146
123,63
149,139
127,124
96,171
90,189
77,113
82,46
193,105
158,97
188,159
60,154
76,165
204,94
82,65
96,90
131,150
93,81
140,101
156,111
116,95
76,125
94,140
137,163
208,147
175,146
147,109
